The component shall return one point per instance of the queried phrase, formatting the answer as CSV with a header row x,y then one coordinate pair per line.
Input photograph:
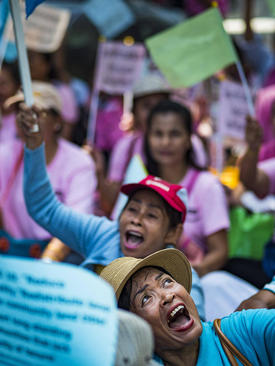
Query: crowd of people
x,y
167,253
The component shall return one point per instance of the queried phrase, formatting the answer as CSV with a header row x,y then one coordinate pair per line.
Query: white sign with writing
x,y
118,66
55,314
43,30
233,109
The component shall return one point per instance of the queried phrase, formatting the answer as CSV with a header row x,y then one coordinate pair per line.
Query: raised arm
x,y
87,234
251,176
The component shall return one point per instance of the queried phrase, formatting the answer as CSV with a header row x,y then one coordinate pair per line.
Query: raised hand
x,y
29,124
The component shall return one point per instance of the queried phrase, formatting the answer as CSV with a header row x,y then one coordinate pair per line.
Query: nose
x,y
136,219
167,298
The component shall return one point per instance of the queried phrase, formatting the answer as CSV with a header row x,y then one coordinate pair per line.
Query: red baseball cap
x,y
174,194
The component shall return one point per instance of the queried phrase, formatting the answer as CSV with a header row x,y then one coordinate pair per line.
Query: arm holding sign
x,y
253,178
95,238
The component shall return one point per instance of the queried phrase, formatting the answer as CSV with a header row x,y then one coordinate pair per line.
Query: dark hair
x,y
13,70
174,216
164,107
124,301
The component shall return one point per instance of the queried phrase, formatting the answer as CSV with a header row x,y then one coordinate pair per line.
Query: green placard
x,y
271,4
193,50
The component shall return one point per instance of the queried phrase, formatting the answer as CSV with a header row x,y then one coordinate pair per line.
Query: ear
x,y
174,234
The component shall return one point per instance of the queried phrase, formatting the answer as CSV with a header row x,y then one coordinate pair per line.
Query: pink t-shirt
x,y
267,150
107,124
268,166
207,207
128,146
70,170
7,127
69,105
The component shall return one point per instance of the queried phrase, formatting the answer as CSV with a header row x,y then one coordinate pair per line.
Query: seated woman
x,y
169,155
157,289
151,219
68,166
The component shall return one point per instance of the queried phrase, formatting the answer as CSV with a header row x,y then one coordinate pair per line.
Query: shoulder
x,y
74,153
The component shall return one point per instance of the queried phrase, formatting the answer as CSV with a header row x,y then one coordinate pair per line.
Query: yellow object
x,y
128,41
230,176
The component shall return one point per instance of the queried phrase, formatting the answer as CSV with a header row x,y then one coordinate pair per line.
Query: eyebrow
x,y
145,286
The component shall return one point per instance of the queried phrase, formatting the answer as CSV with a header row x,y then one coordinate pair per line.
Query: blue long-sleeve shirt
x,y
96,238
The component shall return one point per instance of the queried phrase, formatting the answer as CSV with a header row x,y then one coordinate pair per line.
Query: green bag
x,y
249,232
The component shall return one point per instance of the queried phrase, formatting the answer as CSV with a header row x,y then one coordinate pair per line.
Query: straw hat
x,y
118,272
135,341
45,96
150,84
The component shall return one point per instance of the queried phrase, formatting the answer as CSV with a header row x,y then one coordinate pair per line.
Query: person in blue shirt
x,y
151,220
157,287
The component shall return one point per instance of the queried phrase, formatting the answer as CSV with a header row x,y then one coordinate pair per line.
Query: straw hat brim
x,y
118,272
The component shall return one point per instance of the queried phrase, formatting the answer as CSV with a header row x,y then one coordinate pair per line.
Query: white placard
x,y
233,109
118,66
44,30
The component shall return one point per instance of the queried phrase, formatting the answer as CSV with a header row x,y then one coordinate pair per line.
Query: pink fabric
x,y
268,166
270,80
7,127
267,150
207,207
126,147
107,124
69,105
72,176
264,101
194,7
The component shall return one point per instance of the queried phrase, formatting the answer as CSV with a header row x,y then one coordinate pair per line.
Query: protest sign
x,y
192,50
55,314
271,4
110,20
118,66
135,172
44,30
233,110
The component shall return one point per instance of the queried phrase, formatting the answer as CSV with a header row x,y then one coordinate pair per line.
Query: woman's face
x,y
8,86
144,225
143,106
168,139
168,308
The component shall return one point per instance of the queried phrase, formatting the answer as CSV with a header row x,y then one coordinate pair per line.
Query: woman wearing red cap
x,y
151,220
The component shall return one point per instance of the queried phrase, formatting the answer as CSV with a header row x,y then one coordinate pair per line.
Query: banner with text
x,y
118,66
55,314
233,110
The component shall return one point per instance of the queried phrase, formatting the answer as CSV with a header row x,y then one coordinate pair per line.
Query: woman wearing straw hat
x,y
157,289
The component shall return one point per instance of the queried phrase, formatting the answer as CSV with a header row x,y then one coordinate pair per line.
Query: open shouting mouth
x,y
179,319
133,239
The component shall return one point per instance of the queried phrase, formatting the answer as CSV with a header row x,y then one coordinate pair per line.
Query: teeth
x,y
174,312
135,234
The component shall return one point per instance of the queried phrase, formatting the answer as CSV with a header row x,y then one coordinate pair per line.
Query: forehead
x,y
145,276
167,121
148,197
